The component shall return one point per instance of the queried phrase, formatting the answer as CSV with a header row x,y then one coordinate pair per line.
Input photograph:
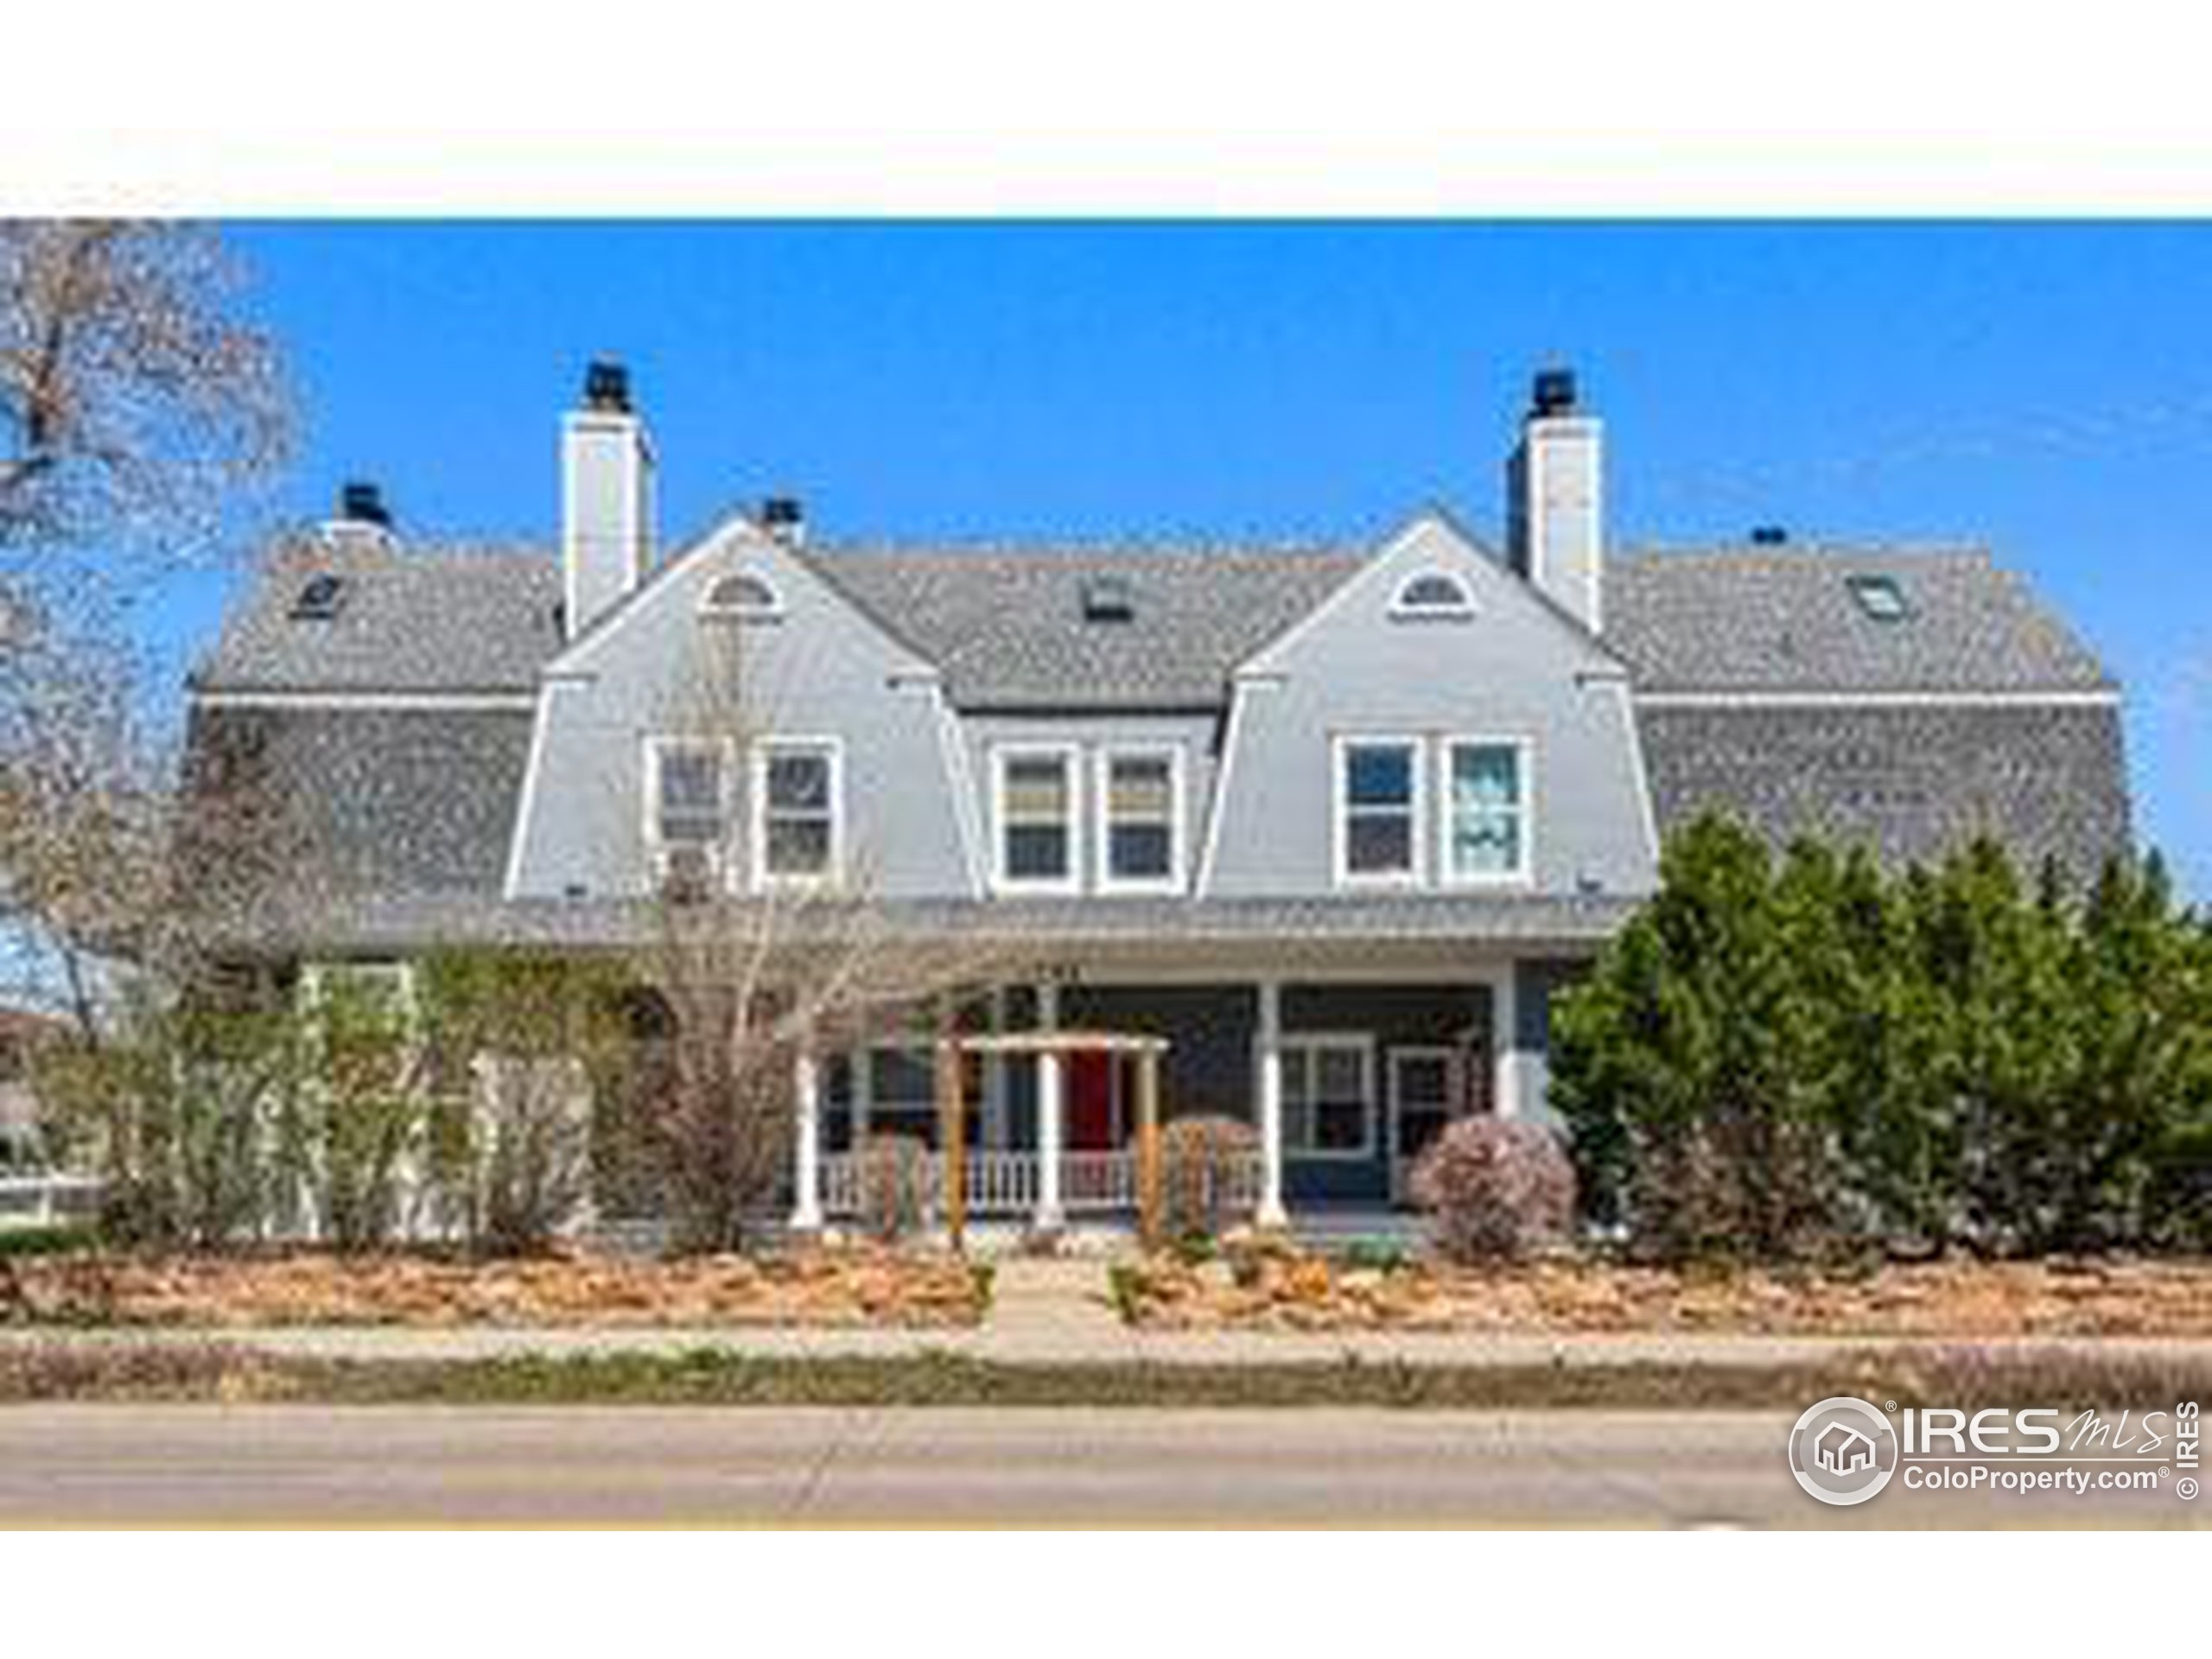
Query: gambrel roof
x,y
399,725
1006,626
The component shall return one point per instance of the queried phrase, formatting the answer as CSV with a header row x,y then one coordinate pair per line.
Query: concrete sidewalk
x,y
1060,1312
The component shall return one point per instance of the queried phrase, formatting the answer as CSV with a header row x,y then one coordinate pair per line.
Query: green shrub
x,y
1376,1256
66,1240
1789,1059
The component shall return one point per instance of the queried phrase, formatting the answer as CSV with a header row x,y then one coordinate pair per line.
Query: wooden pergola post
x,y
1148,1196
952,1145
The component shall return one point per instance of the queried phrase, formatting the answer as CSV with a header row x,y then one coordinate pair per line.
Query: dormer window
x,y
1034,792
1880,598
742,597
1433,595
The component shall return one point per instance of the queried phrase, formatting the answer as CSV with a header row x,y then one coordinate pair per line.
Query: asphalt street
x,y
125,1464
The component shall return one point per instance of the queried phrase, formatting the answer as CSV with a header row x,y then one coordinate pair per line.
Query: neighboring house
x,y
1334,820
20,1033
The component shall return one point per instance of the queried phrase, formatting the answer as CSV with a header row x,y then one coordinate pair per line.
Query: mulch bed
x,y
1573,1297
857,1285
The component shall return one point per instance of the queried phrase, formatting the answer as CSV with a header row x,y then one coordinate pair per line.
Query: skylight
x,y
1881,598
1108,599
319,598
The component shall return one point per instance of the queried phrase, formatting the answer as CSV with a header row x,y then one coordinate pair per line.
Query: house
x,y
1336,821
20,1034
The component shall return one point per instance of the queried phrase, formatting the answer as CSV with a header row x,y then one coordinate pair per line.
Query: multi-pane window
x,y
1485,832
1328,1096
1036,818
796,785
690,795
1376,786
1141,811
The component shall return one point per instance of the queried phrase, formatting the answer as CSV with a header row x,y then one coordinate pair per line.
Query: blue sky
x,y
2045,389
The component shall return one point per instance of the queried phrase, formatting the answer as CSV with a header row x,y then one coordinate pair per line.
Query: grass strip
x,y
1956,1376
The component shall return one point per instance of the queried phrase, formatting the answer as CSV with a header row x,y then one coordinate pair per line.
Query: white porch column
x,y
1504,1023
806,1141
1050,1098
1271,1212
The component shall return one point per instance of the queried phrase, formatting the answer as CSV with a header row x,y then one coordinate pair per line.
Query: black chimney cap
x,y
607,386
361,502
1770,535
781,513
1553,391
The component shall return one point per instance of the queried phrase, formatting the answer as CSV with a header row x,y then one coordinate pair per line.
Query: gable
x,y
1365,614
814,667
1513,669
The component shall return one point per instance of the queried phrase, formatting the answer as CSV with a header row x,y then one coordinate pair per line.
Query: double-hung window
x,y
687,807
1140,797
1035,796
1485,810
1328,1096
796,829
1378,812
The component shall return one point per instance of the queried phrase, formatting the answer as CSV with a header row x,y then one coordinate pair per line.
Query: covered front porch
x,y
1344,1074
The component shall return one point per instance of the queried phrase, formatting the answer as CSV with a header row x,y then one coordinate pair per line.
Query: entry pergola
x,y
952,1108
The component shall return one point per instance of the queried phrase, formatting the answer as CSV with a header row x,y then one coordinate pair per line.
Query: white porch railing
x,y
1098,1180
45,1200
1006,1183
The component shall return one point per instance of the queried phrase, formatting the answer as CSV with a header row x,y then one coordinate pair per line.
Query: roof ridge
x,y
1034,547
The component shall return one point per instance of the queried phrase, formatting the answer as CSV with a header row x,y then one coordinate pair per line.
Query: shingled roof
x,y
1766,618
1008,630
444,619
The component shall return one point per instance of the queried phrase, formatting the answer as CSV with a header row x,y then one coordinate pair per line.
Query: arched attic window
x,y
1433,595
741,596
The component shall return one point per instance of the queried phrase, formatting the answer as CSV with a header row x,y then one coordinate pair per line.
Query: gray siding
x,y
1517,669
823,670
2049,781
1395,1015
1535,983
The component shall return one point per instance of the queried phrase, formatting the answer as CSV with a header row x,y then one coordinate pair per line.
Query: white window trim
x,y
756,785
1070,755
1460,610
1525,749
1340,804
712,611
1362,1043
1178,819
649,829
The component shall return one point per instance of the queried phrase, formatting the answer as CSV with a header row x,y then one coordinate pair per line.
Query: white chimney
x,y
1554,501
607,499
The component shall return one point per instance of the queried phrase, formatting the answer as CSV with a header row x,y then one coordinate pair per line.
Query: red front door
x,y
1091,1102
